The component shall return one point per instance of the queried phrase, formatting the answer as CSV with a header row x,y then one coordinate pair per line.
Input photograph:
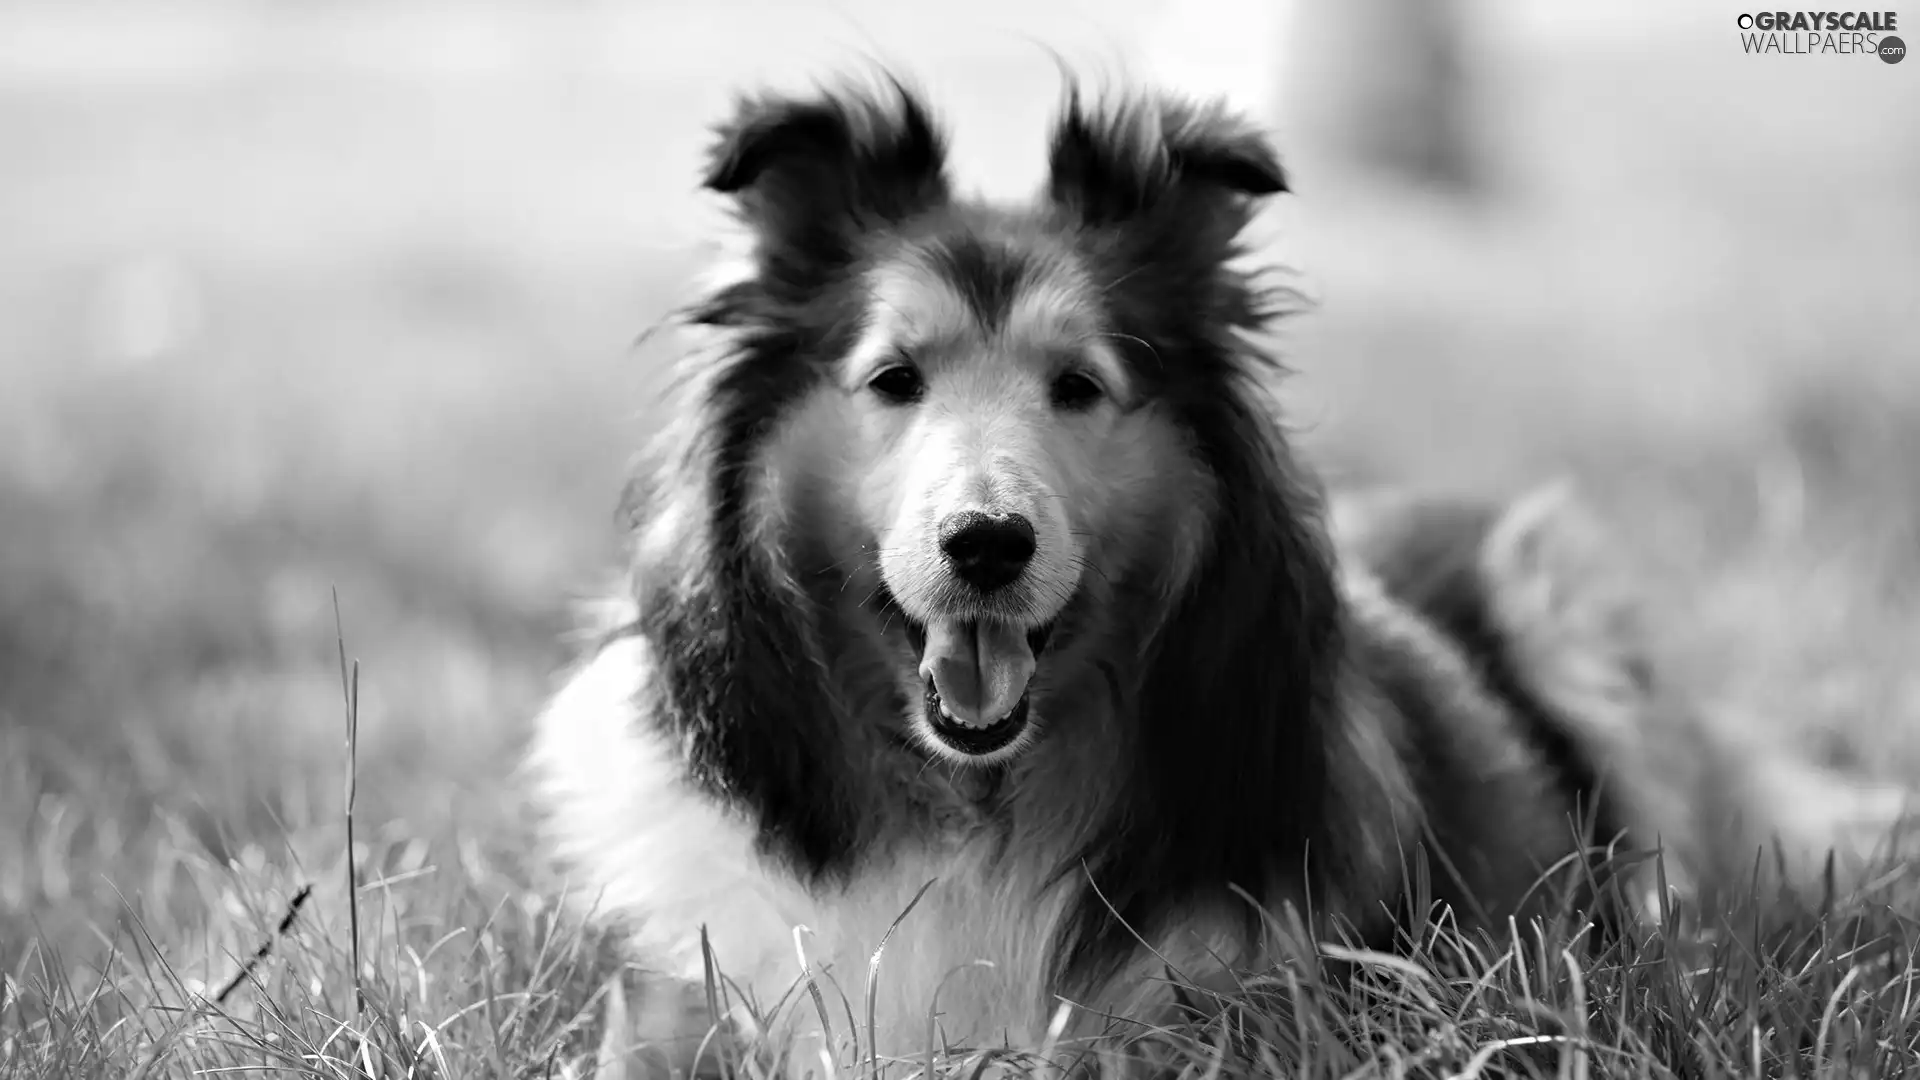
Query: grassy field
x,y
309,321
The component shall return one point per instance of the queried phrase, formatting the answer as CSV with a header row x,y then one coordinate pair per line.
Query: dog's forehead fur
x,y
995,285
1005,272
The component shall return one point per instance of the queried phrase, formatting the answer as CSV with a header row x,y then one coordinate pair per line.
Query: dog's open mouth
x,y
976,673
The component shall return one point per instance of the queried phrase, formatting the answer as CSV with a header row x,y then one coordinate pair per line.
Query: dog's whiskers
x,y
1081,564
1142,342
860,556
1108,288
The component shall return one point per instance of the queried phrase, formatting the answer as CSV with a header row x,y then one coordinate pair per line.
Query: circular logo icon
x,y
1892,50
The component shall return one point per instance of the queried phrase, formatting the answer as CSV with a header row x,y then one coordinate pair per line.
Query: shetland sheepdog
x,y
987,652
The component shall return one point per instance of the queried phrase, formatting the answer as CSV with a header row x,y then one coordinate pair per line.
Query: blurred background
x,y
318,296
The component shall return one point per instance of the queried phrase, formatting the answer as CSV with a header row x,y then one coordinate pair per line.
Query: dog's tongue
x,y
979,668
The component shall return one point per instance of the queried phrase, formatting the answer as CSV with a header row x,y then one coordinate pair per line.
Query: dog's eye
x,y
1074,391
899,384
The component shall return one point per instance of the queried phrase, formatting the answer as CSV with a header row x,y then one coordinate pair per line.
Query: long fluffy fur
x,y
1234,713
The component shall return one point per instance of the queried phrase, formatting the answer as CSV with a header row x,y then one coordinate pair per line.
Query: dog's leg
x,y
1815,829
1736,811
1536,586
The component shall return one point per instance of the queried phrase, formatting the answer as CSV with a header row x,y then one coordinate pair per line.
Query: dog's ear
x,y
1160,191
811,175
1158,155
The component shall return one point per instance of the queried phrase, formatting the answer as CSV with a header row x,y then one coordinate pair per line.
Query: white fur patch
x,y
665,860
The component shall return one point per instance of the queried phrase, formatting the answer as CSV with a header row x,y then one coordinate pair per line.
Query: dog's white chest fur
x,y
666,860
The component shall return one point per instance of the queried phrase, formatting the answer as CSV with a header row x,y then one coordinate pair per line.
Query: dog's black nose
x,y
987,551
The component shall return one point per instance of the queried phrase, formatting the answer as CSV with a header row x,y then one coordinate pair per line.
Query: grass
x,y
282,332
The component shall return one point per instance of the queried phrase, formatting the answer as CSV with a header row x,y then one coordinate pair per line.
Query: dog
x,y
987,650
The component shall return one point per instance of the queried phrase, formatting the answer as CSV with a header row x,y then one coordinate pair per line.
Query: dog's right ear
x,y
1163,188
1159,156
810,176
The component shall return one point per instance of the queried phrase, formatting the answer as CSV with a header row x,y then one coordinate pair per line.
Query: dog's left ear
x,y
1158,155
810,176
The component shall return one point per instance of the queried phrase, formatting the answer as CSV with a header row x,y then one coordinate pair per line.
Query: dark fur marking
x,y
989,276
743,688
743,684
1229,784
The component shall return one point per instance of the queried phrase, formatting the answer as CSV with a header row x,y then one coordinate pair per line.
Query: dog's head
x,y
1027,444
1001,456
